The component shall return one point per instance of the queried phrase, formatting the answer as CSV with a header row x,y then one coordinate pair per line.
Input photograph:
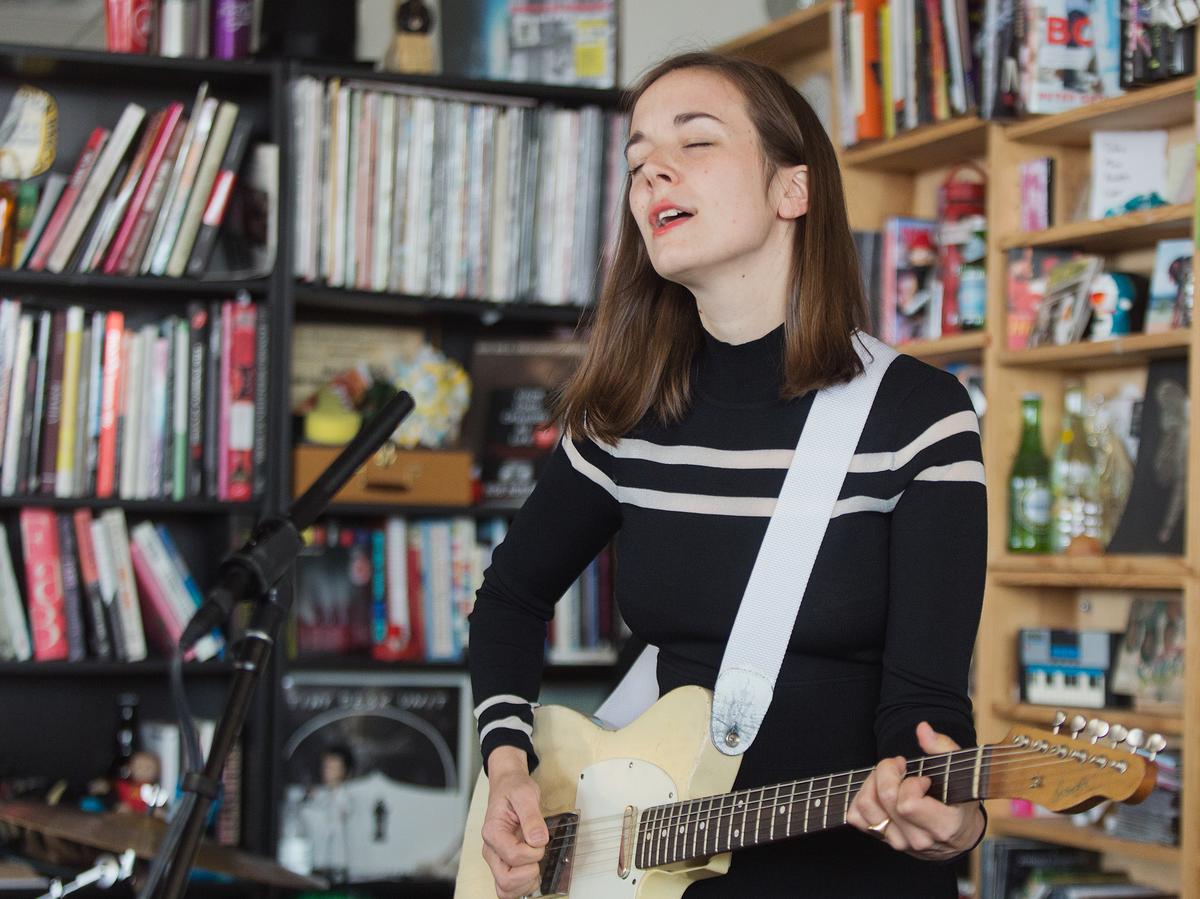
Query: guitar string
x,y
599,856
969,764
687,817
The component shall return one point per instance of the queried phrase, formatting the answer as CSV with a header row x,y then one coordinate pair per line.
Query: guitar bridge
x,y
559,860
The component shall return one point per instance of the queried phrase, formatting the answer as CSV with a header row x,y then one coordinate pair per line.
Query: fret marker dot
x,y
702,825
739,805
664,834
782,809
737,833
681,828
817,803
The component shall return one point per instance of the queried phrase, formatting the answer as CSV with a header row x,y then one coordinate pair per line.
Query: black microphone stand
x,y
251,573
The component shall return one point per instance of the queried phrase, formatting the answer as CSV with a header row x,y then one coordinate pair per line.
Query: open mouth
x,y
667,218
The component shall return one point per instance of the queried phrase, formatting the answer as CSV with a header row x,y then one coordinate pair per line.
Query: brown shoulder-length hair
x,y
646,329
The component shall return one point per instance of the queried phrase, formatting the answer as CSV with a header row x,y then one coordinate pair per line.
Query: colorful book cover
x,y
43,584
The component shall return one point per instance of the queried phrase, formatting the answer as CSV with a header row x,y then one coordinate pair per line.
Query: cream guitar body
x,y
644,811
599,773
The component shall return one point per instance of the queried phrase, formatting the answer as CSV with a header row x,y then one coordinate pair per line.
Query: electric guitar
x,y
641,812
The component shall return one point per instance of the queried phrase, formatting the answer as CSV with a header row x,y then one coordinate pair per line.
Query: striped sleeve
x,y
937,559
570,516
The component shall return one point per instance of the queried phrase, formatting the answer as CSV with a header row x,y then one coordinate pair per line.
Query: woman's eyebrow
x,y
682,119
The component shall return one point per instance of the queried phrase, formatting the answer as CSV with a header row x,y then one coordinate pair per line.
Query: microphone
x,y
270,551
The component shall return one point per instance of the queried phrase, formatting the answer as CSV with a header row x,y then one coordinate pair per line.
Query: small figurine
x,y
142,790
411,49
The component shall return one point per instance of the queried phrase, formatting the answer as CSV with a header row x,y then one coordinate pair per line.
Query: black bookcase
x,y
58,719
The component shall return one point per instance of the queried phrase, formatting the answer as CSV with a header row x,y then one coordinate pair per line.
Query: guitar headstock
x,y
1074,770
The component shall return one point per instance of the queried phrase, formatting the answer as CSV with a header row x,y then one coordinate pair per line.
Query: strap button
x,y
732,737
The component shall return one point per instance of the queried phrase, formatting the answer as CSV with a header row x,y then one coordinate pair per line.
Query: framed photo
x,y
378,772
1064,313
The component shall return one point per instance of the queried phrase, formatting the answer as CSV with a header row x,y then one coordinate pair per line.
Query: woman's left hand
x,y
896,808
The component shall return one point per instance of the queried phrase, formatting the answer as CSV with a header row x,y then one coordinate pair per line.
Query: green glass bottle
x,y
1029,485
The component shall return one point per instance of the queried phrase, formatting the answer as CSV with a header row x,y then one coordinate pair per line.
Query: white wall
x,y
652,29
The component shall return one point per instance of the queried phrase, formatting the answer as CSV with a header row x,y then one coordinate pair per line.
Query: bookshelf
x,y
900,176
71,705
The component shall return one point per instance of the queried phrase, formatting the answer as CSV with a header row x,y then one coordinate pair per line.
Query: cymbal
x,y
116,832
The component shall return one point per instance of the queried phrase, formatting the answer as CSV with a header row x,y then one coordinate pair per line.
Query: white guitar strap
x,y
757,643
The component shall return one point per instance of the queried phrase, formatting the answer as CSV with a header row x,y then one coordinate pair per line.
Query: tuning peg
x,y
1117,734
1155,744
1078,722
1059,718
1097,729
1134,739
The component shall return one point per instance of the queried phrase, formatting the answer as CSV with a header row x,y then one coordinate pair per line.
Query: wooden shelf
x,y
560,672
956,348
1057,830
921,149
371,510
1160,106
798,33
135,506
1119,232
37,61
1115,572
1115,353
1042,716
320,297
123,287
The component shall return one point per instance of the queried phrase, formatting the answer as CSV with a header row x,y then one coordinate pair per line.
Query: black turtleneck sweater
x,y
883,638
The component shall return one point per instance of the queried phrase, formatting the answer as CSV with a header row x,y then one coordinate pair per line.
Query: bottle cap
x,y
1030,395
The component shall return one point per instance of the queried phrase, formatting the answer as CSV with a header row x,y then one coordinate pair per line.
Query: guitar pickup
x,y
559,860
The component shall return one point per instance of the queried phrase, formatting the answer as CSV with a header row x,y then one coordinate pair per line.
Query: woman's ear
x,y
794,201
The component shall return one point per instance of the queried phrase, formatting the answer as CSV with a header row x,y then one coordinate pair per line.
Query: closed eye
x,y
637,168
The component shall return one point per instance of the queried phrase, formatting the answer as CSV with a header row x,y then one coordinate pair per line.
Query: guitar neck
x,y
713,824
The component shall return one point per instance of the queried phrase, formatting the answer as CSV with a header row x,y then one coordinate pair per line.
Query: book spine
x,y
179,411
134,250
15,644
261,400
95,396
65,457
72,601
43,580
99,640
197,314
53,407
33,474
66,202
213,400
126,589
110,392
18,391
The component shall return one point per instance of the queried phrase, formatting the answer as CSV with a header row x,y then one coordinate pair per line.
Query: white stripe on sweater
x,y
510,723
587,469
644,450
502,698
958,423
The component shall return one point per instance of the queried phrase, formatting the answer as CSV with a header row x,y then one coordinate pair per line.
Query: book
x,y
1065,310
72,597
1150,657
97,611
15,645
96,142
43,584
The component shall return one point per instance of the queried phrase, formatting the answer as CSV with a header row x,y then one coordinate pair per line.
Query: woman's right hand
x,y
514,831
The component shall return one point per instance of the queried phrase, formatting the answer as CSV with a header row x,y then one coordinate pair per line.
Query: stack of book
x,y
96,403
95,588
146,196
402,590
452,195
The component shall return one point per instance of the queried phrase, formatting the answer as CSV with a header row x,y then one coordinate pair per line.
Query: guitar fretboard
x,y
713,824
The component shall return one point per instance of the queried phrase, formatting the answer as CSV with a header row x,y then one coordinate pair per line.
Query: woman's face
x,y
694,149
